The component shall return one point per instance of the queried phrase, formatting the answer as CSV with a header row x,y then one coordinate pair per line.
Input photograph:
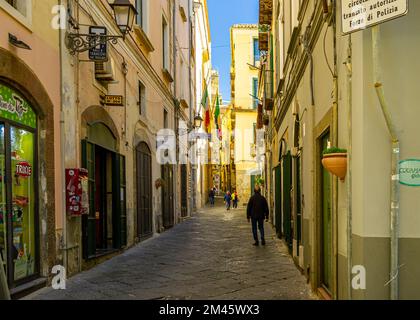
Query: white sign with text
x,y
360,14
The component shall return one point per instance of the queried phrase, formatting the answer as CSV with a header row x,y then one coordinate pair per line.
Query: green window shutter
x,y
287,201
89,221
119,200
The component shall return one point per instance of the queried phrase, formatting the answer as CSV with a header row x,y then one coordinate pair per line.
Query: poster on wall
x,y
77,192
357,15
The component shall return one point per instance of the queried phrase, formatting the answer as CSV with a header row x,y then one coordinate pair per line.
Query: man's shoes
x,y
263,242
256,244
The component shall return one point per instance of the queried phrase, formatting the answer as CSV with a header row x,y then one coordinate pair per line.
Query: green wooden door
x,y
277,200
326,223
253,181
298,203
89,221
287,200
119,201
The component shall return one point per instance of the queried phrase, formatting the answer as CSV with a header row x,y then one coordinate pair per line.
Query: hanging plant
x,y
335,161
260,181
159,183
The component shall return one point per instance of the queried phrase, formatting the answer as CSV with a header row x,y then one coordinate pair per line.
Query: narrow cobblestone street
x,y
209,256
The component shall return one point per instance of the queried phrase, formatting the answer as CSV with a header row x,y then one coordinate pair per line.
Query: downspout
x,y
64,240
335,142
190,41
349,168
395,187
175,171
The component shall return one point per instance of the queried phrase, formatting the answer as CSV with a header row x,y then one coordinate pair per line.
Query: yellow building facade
x,y
244,83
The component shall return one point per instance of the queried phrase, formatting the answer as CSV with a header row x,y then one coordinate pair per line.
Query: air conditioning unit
x,y
105,71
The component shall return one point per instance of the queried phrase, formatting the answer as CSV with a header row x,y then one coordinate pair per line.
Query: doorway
x,y
277,200
184,193
287,201
104,228
144,192
326,235
103,200
167,197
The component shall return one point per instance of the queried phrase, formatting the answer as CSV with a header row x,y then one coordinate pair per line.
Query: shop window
x,y
18,244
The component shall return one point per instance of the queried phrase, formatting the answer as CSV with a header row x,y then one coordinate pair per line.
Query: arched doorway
x,y
144,191
105,228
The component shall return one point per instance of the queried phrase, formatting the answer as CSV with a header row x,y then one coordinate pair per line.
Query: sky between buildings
x,y
223,14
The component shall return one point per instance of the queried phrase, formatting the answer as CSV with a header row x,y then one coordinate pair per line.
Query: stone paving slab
x,y
209,256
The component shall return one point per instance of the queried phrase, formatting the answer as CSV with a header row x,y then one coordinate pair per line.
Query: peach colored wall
x,y
44,61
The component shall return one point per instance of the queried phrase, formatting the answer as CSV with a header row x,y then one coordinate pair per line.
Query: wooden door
x,y
144,191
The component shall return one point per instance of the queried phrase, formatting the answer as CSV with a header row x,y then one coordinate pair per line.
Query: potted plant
x,y
335,161
260,181
159,183
266,120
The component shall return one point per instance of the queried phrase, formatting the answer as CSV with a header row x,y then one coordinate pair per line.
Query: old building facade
x,y
133,177
344,91
244,79
31,179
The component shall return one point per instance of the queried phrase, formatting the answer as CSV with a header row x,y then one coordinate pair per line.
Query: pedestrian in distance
x,y
211,197
228,198
257,211
235,199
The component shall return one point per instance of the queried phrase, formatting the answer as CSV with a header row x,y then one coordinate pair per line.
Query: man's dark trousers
x,y
260,224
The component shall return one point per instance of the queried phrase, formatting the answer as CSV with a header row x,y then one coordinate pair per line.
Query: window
x,y
19,5
165,44
142,99
139,7
256,51
255,92
142,14
165,119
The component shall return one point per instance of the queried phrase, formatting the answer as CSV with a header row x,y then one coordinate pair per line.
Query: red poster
x,y
75,203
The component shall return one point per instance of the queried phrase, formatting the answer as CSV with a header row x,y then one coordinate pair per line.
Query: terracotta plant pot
x,y
336,163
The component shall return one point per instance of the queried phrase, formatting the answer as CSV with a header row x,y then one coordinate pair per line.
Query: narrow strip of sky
x,y
223,14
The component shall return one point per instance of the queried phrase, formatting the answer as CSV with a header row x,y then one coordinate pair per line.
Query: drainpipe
x,y
176,108
395,187
349,168
192,196
64,241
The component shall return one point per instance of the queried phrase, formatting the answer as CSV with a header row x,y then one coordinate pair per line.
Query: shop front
x,y
105,227
19,232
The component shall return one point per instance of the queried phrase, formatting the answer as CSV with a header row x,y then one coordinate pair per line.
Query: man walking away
x,y
235,199
211,197
257,210
227,200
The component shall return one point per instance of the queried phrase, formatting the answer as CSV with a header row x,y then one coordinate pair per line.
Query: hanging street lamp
x,y
124,16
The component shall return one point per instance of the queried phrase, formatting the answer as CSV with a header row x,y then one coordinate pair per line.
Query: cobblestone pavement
x,y
209,256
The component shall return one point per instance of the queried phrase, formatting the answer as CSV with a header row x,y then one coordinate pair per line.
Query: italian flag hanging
x,y
206,105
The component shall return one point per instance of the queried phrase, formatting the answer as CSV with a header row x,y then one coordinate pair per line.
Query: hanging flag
x,y
217,110
217,118
205,104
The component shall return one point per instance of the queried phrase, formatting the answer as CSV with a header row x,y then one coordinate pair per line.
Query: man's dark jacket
x,y
257,207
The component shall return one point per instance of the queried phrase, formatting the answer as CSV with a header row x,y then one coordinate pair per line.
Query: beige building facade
x,y
132,194
325,95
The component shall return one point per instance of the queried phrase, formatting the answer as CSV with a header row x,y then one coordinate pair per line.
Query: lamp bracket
x,y
79,42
